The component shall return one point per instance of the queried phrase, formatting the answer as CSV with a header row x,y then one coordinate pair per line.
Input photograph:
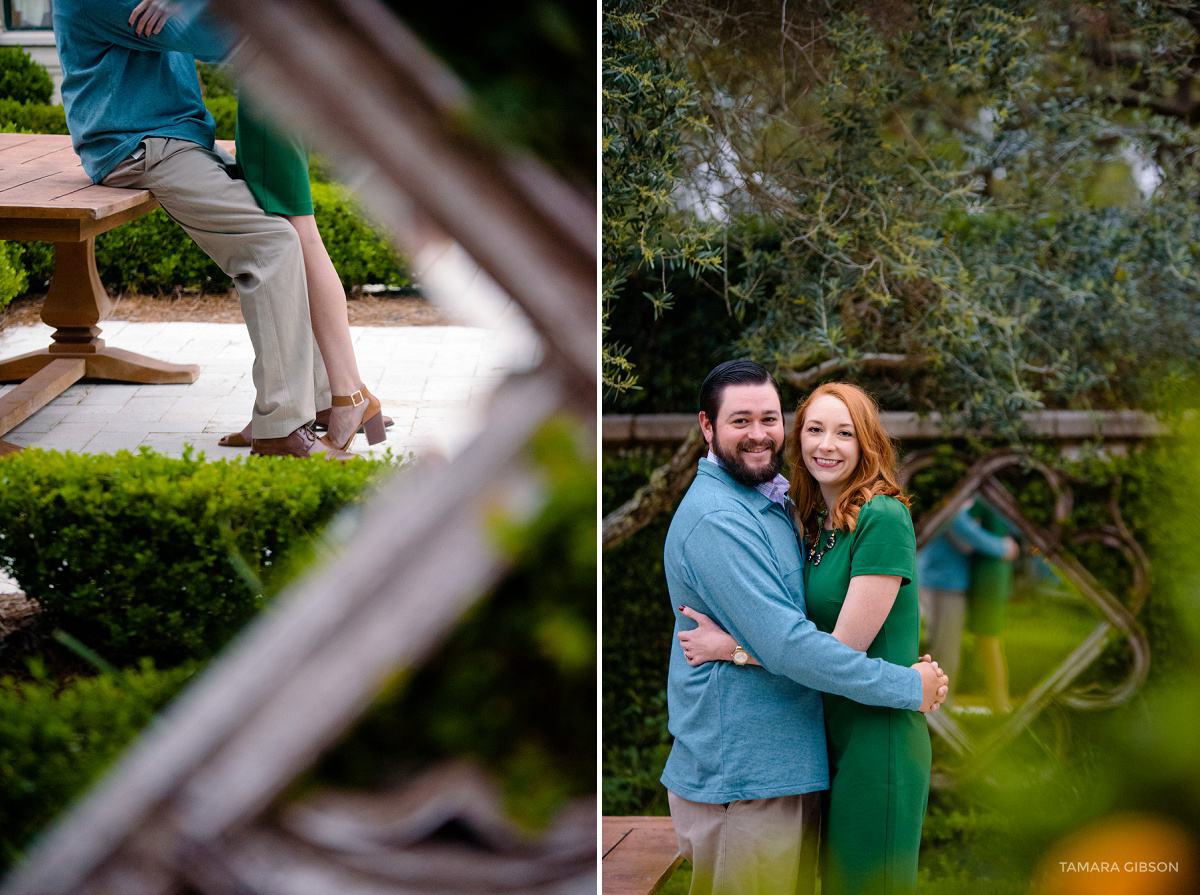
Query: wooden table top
x,y
639,854
41,177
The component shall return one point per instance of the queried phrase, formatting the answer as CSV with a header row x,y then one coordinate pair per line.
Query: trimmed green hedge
x,y
224,112
56,738
472,699
149,556
31,118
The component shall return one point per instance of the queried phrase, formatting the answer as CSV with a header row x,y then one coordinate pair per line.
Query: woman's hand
x,y
706,643
149,16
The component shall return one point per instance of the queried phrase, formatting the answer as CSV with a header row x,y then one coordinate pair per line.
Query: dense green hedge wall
x,y
638,622
147,556
57,737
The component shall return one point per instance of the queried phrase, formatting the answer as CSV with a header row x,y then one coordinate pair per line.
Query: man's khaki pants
x,y
260,252
752,847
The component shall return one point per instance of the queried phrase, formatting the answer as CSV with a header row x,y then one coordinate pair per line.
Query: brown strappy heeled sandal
x,y
371,421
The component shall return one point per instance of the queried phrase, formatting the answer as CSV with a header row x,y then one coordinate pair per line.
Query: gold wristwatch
x,y
739,656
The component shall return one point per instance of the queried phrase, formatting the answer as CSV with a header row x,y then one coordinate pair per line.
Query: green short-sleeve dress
x,y
879,759
274,166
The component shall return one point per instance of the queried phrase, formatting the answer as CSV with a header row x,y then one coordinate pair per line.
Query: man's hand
x,y
149,16
934,684
1011,549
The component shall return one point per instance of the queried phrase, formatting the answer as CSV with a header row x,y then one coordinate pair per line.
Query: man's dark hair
x,y
732,372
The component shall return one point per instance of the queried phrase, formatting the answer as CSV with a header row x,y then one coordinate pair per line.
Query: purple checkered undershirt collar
x,y
775,490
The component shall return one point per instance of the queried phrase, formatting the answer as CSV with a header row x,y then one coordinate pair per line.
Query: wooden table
x,y
639,854
45,196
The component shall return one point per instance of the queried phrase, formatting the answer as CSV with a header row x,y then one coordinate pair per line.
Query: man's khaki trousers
x,y
751,847
260,252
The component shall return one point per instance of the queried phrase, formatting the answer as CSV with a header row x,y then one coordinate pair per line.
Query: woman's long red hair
x,y
874,475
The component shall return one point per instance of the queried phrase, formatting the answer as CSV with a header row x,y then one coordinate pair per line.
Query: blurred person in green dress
x,y
861,585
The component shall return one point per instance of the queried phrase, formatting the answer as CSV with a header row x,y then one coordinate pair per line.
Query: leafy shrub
x,y
31,118
36,259
56,739
360,252
224,113
12,274
22,79
145,555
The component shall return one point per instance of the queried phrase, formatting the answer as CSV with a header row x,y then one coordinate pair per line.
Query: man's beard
x,y
737,467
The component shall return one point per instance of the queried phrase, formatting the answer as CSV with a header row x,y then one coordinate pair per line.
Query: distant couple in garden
x,y
137,119
793,697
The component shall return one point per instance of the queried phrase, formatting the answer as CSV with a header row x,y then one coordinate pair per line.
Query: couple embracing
x,y
793,701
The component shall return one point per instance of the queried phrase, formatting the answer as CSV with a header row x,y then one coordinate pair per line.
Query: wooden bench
x,y
639,854
46,196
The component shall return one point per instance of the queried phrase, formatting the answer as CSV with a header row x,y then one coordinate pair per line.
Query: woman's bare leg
x,y
330,324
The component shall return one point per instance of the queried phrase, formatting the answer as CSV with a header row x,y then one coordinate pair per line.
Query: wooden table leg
x,y
36,392
74,306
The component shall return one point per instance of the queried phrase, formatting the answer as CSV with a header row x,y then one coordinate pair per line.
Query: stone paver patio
x,y
432,380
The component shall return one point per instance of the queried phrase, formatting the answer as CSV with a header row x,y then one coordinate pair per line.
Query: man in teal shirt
x,y
749,760
137,119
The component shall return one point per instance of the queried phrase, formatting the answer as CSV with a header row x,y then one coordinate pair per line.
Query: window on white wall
x,y
19,14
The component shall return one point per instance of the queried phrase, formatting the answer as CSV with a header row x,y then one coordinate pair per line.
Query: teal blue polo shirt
x,y
119,88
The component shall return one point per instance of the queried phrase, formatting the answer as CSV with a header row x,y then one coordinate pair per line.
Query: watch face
x,y
740,656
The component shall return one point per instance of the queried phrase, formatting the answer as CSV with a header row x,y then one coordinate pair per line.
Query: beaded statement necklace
x,y
813,556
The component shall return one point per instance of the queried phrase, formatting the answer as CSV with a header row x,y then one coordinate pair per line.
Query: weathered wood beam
x,y
1064,425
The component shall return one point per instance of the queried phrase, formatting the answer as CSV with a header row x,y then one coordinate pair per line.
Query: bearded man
x,y
748,763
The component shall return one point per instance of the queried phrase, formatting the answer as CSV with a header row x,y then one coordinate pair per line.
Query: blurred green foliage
x,y
224,112
17,117
361,252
